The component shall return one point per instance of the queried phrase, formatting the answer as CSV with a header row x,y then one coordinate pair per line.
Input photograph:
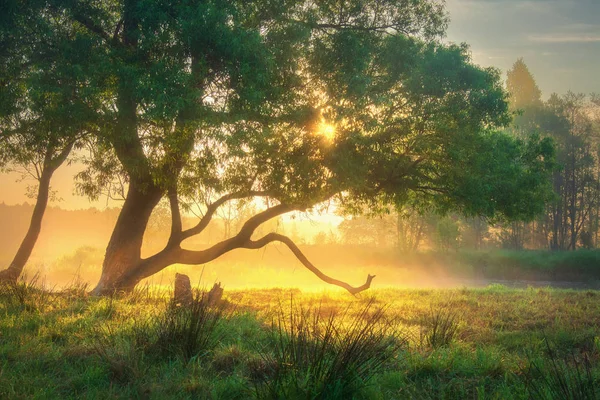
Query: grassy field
x,y
492,343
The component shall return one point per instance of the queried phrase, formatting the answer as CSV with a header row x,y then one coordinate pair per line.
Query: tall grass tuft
x,y
26,294
439,327
561,377
316,355
181,331
122,356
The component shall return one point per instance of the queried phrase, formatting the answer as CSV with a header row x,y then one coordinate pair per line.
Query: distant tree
x,y
568,121
297,102
43,112
513,236
374,230
475,232
524,91
448,234
577,183
320,238
411,228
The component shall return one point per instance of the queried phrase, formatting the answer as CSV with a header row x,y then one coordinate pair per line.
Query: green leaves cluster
x,y
226,96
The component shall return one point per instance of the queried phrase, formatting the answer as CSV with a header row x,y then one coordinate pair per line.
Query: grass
x,y
439,327
317,354
495,343
566,377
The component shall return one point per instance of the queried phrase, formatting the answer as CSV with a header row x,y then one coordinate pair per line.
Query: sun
x,y
326,130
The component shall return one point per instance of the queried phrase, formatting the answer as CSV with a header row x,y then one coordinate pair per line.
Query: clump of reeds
x,y
565,377
439,327
314,354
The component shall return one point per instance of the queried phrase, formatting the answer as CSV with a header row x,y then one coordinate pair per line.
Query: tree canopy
x,y
295,102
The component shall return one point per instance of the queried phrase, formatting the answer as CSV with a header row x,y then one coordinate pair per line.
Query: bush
x,y
581,265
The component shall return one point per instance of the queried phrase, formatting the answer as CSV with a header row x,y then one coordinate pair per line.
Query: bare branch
x,y
275,237
173,254
212,208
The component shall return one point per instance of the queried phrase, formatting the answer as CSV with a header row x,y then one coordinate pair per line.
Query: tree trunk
x,y
124,248
12,273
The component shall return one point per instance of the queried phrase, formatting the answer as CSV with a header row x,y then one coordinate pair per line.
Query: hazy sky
x,y
559,40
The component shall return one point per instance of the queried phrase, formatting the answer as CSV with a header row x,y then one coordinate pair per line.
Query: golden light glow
x,y
326,130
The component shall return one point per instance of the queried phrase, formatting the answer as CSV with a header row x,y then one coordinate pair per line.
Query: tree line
x,y
570,219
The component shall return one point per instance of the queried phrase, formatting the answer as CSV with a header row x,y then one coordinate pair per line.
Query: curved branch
x,y
173,254
235,242
212,208
275,237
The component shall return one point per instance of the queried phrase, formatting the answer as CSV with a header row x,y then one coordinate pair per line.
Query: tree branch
x,y
57,161
275,237
173,254
212,208
235,242
176,225
115,36
90,25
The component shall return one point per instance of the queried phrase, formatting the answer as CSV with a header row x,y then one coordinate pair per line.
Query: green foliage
x,y
48,100
579,266
227,96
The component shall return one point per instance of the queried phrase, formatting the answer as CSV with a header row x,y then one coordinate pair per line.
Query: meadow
x,y
489,343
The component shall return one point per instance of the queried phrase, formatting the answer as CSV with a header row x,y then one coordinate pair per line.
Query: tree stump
x,y
183,290
215,294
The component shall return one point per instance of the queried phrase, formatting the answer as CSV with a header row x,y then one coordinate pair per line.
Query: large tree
x,y
295,103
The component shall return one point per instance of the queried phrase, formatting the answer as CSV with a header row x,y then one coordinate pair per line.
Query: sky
x,y
558,39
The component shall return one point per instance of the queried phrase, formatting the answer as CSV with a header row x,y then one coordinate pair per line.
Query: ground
x,y
447,343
